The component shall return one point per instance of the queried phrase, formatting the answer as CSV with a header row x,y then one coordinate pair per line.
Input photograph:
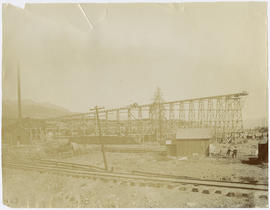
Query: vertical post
x,y
72,128
201,114
182,117
129,129
140,124
191,114
160,133
106,123
210,113
100,140
171,117
118,121
219,118
19,94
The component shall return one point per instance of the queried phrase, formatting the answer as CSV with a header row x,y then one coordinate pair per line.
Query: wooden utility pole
x,y
100,134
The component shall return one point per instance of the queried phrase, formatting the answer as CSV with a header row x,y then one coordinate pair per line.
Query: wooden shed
x,y
15,134
263,150
190,141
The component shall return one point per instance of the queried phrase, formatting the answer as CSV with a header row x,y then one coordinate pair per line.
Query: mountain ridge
x,y
33,109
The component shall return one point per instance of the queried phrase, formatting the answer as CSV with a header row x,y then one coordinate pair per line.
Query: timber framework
x,y
222,113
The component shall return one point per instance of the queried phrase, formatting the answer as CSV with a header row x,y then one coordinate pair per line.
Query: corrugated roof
x,y
194,133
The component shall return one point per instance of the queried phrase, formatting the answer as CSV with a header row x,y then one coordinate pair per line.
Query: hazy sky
x,y
188,50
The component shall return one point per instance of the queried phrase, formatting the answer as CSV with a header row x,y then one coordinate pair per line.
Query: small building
x,y
190,141
18,132
15,134
263,150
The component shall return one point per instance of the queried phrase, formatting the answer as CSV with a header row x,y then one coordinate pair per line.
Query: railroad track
x,y
230,189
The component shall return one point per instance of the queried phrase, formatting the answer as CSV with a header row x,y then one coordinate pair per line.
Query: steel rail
x,y
127,176
192,178
144,173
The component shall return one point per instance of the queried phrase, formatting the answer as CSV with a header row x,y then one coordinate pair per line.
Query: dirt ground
x,y
31,189
23,189
207,168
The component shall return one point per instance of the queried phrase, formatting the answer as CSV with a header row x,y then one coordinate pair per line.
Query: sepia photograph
x,y
135,105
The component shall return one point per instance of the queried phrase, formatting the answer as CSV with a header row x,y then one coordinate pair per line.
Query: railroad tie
x,y
170,186
218,192
263,197
205,192
230,194
244,195
239,194
195,190
182,188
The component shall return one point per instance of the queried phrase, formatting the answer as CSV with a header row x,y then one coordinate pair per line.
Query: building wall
x,y
190,146
263,152
14,136
104,139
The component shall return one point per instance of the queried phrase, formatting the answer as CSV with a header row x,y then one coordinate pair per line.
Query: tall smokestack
x,y
19,94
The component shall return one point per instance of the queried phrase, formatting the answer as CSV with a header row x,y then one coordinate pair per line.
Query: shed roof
x,y
194,133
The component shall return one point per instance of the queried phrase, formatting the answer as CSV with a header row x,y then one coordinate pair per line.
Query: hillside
x,y
32,109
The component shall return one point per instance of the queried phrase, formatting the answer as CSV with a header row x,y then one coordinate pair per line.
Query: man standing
x,y
228,152
234,154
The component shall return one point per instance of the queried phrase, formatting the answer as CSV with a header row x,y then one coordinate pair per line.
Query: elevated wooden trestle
x,y
222,113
